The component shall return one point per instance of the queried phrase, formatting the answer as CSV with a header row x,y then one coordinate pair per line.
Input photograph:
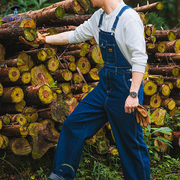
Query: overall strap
x,y
117,17
100,20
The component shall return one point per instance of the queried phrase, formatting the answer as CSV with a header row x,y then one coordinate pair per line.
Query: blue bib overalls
x,y
105,103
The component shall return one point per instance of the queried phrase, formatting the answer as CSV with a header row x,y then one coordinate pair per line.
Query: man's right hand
x,y
41,39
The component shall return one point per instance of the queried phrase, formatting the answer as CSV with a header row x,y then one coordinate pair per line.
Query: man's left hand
x,y
131,104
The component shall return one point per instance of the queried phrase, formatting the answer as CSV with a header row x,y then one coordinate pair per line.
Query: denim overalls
x,y
105,103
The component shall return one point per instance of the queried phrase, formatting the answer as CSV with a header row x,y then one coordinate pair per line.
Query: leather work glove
x,y
39,40
142,116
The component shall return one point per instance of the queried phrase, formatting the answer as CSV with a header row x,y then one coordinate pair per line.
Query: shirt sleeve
x,y
84,31
135,41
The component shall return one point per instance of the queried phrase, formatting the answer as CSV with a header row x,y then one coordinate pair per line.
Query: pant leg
x,y
87,118
129,139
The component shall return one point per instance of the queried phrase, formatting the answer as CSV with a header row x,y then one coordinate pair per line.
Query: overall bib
x,y
105,103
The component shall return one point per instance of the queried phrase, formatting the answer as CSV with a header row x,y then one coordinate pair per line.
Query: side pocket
x,y
127,77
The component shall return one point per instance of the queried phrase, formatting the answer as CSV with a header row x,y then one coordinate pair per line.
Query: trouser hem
x,y
55,177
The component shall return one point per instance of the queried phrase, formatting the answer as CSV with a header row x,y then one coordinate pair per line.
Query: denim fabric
x,y
105,103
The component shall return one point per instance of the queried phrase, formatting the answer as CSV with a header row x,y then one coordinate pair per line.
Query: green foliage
x,y
157,21
165,18
169,168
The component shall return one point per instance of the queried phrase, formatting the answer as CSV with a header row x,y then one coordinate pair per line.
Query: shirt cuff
x,y
71,37
138,68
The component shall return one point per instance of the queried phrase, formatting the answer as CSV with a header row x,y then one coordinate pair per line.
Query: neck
x,y
110,6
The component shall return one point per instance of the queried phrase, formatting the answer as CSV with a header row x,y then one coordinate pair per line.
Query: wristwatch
x,y
133,94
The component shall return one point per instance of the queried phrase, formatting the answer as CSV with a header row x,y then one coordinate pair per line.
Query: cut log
x,y
158,116
150,88
1,89
56,30
69,6
20,118
161,144
6,119
165,70
4,141
150,7
174,80
158,79
79,88
152,47
150,30
155,101
164,90
11,35
38,94
169,46
12,108
44,137
8,75
84,65
75,53
165,35
77,78
52,64
144,18
168,104
69,65
2,53
59,110
21,147
23,62
95,55
92,75
62,75
12,95
69,58
49,15
1,126
11,130
168,56
30,114
73,21
72,103
65,87
40,75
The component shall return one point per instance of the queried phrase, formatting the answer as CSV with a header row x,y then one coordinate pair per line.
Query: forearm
x,y
137,78
58,39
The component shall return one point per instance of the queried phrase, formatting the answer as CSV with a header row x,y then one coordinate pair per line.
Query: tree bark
x,y
12,95
21,147
150,7
38,94
8,75
11,35
165,70
44,137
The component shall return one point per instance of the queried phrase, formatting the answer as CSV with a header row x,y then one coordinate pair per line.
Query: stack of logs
x,y
41,85
162,81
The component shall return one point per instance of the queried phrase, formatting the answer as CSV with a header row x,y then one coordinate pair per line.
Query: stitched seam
x,y
143,165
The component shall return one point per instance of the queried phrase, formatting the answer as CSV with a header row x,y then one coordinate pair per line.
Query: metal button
x,y
110,49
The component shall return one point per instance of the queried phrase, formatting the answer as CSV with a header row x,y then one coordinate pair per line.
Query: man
x,y
119,31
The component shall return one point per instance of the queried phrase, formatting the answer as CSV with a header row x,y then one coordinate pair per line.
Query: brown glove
x,y
39,40
142,116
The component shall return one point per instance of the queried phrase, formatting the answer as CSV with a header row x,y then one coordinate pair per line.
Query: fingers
x,y
129,109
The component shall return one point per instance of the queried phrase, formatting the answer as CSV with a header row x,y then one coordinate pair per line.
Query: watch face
x,y
133,94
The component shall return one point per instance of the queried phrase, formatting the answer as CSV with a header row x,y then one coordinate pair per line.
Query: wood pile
x,y
41,85
161,81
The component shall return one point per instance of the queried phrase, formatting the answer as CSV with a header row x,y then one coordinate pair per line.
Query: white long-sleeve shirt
x,y
129,34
